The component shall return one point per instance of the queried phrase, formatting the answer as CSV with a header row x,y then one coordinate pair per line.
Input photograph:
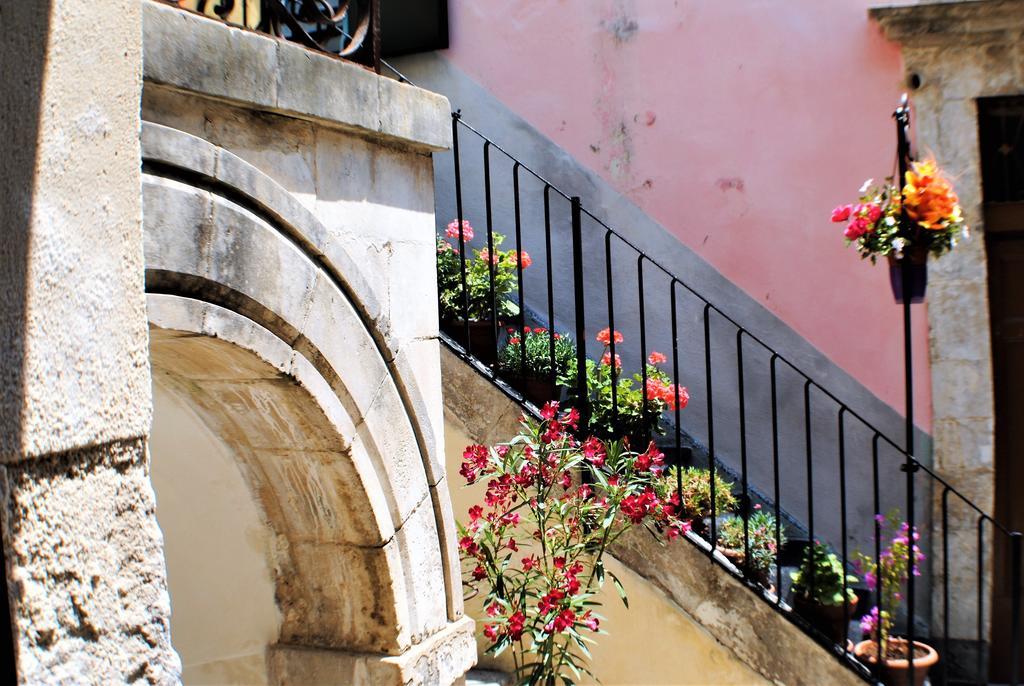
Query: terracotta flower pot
x,y
830,620
916,261
894,670
761,576
482,343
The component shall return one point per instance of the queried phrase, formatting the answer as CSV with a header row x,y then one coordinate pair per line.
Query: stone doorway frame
x,y
955,53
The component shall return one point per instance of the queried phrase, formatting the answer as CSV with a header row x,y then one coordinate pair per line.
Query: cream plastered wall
x,y
217,547
651,642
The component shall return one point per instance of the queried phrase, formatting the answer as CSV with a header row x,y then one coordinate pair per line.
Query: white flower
x,y
897,245
966,232
867,184
890,221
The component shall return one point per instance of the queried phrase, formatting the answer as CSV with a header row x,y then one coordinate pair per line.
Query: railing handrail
x,y
843,406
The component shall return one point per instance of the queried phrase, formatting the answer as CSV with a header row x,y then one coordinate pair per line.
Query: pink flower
x,y
841,213
524,259
453,230
656,358
491,632
874,212
593,451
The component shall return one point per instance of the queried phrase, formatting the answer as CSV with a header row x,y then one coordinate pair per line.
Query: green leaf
x,y
618,587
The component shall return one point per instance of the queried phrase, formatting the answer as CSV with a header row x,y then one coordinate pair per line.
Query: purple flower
x,y
880,518
869,622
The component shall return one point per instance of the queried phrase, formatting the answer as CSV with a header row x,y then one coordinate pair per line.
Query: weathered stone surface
x,y
72,322
443,659
196,54
86,568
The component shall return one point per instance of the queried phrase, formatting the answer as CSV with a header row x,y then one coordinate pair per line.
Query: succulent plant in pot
x,y
822,592
760,540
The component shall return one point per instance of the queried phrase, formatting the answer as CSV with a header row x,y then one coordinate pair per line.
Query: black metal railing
x,y
347,28
793,447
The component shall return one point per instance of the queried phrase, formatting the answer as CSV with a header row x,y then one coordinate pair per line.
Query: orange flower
x,y
930,199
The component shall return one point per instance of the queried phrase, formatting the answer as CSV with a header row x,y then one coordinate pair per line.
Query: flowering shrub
x,y
935,218
479,265
822,570
628,415
888,574
761,538
536,343
696,492
535,546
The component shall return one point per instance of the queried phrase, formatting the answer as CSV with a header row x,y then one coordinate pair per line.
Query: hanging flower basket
x,y
916,262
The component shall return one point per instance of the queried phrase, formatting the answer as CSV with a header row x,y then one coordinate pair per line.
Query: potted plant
x,y
934,224
526,361
473,308
634,411
760,539
888,575
818,594
535,547
694,485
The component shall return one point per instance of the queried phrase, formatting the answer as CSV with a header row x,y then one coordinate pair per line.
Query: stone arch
x,y
258,316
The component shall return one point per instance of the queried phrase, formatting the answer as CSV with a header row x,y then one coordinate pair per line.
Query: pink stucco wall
x,y
736,124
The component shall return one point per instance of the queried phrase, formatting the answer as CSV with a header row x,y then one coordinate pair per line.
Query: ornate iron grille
x,y
347,28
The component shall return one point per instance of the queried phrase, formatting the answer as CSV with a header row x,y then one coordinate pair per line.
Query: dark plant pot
x,y
830,620
894,671
761,576
537,391
917,263
482,343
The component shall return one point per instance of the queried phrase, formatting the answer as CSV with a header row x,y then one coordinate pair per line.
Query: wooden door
x,y
1002,152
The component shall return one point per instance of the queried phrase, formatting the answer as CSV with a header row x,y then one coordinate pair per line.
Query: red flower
x,y
493,610
479,573
510,519
514,340
841,213
652,459
491,632
656,358
475,512
589,621
606,360
474,462
549,410
516,623
604,336
453,230
524,259
469,546
530,562
593,451
565,619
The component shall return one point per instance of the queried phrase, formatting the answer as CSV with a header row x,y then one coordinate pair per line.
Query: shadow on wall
x,y
22,64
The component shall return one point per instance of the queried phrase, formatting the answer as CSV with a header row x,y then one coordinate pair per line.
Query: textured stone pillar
x,y
82,550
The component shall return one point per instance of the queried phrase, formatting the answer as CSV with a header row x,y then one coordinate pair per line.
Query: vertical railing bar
x,y
711,425
550,278
945,584
1015,606
611,330
981,597
580,314
519,274
810,479
842,523
675,376
462,236
491,256
643,350
743,456
775,473
878,550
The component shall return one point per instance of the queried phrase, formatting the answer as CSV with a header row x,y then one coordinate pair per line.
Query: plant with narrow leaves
x,y
528,350
820,578
535,546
